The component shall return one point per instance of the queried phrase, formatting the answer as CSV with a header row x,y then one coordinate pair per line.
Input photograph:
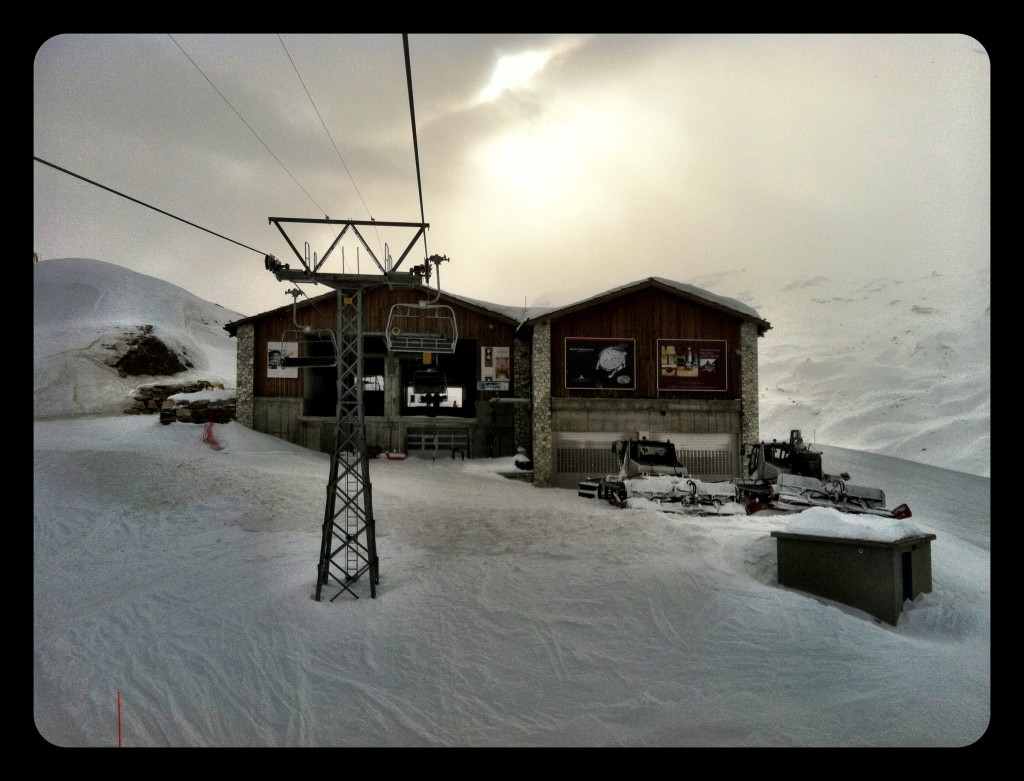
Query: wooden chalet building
x,y
654,358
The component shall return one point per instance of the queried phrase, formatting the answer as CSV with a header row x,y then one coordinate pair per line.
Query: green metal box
x,y
871,575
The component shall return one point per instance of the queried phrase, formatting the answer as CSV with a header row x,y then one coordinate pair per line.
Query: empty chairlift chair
x,y
317,348
429,380
421,328
431,387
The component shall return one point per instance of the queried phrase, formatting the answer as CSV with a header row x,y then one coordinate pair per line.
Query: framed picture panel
x,y
276,353
600,363
692,365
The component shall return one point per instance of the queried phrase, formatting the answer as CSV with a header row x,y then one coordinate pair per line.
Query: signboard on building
x,y
600,363
276,353
692,365
495,364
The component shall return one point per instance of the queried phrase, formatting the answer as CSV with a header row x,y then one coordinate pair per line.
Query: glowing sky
x,y
553,167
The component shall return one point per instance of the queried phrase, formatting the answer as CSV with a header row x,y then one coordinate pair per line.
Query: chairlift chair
x,y
317,348
310,341
429,380
431,386
422,327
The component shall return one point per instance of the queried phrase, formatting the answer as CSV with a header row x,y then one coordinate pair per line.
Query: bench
x,y
451,439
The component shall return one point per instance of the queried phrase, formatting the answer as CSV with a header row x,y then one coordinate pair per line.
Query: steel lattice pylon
x,y
348,548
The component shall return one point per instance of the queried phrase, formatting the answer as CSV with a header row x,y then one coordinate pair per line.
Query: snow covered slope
x,y
86,313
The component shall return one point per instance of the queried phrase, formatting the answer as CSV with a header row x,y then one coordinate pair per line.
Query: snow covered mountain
x,y
896,367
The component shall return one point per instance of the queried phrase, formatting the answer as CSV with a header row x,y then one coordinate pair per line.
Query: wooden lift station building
x,y
654,358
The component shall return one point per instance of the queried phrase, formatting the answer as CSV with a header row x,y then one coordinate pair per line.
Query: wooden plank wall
x,y
646,316
320,312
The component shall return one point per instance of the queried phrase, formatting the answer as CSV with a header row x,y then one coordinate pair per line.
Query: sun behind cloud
x,y
513,71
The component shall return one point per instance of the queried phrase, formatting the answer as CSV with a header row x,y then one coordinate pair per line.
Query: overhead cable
x,y
319,208
351,179
148,206
415,142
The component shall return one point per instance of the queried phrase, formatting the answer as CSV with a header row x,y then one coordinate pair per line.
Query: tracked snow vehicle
x,y
650,472
767,460
781,476
789,476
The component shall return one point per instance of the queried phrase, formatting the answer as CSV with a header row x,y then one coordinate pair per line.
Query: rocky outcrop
x,y
139,352
145,354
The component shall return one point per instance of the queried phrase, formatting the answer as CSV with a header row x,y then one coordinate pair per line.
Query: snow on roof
x,y
516,313
691,290
730,303
524,314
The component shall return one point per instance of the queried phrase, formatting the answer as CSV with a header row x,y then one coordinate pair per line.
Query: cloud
x,y
600,157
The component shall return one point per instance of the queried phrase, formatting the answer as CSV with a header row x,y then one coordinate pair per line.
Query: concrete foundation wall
x,y
593,424
280,418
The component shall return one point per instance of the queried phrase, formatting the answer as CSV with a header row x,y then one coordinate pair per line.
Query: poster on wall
x,y
495,368
692,365
495,363
276,353
600,363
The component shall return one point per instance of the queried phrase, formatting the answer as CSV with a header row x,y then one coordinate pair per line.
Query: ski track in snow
x,y
496,646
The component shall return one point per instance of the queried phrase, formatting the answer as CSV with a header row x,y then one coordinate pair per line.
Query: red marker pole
x,y
119,719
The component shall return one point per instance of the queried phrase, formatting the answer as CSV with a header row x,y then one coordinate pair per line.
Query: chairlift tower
x,y
348,547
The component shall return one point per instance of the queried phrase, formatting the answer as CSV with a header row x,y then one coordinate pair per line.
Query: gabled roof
x,y
510,314
520,315
703,297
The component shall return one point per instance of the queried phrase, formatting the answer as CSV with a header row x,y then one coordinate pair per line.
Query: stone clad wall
x,y
523,414
750,422
541,369
244,403
198,411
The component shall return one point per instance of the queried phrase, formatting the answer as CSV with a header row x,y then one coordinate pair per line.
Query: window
x,y
320,388
445,386
373,385
449,398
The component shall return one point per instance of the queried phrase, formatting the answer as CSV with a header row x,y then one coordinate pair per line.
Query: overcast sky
x,y
552,166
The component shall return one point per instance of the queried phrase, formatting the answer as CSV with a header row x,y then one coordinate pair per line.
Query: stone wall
x,y
155,399
244,404
541,370
750,422
523,385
